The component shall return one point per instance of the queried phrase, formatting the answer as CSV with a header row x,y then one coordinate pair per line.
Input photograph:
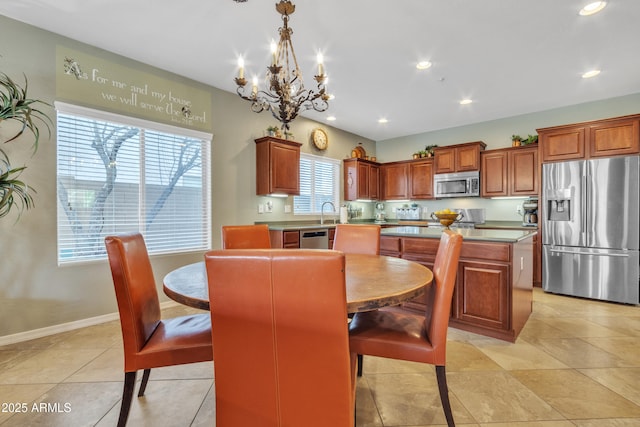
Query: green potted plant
x,y
531,139
274,131
429,150
516,140
15,106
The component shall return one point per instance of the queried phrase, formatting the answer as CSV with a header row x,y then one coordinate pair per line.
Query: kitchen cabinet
x,y
600,138
493,293
510,172
395,182
613,138
409,179
290,239
421,179
277,166
458,158
361,179
285,239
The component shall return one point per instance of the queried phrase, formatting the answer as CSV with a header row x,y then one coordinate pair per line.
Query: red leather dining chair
x,y
357,239
246,237
149,341
281,345
399,334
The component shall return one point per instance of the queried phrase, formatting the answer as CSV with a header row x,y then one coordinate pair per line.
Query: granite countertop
x,y
507,225
470,234
392,223
300,226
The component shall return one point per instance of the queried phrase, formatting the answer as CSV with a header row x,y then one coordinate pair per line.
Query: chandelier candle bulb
x,y
274,50
320,66
254,88
240,68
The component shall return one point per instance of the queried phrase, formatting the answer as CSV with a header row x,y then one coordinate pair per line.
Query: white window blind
x,y
319,183
117,174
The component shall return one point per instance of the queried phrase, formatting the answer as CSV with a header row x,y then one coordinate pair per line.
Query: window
x,y
118,174
319,183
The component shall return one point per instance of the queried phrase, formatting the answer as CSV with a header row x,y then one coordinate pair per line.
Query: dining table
x,y
372,282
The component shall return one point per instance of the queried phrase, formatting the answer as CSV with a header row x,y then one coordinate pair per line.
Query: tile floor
x,y
576,363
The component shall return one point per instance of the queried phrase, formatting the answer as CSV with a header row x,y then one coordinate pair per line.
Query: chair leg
x,y
444,395
360,361
143,383
127,394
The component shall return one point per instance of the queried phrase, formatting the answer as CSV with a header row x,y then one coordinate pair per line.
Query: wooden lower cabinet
x,y
493,294
482,295
289,239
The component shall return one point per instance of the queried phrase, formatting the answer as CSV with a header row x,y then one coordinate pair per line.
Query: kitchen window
x,y
118,174
319,183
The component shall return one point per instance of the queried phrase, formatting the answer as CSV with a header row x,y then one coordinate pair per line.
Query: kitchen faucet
x,y
322,212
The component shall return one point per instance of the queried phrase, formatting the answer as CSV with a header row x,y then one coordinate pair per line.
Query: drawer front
x,y
488,251
420,246
389,244
291,238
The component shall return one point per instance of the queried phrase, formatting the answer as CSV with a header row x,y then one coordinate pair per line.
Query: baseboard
x,y
66,327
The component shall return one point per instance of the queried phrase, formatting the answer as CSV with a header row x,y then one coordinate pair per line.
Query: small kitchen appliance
x,y
460,184
380,215
530,213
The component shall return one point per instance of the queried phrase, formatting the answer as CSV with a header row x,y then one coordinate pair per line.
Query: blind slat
x,y
115,178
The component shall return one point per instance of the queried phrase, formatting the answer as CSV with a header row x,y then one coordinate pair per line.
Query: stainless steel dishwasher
x,y
314,239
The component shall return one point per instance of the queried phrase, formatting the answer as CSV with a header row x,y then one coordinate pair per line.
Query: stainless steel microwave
x,y
460,184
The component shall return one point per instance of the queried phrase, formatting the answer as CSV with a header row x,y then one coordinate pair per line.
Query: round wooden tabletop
x,y
372,282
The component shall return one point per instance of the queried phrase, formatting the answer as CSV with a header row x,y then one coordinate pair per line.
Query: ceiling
x,y
510,57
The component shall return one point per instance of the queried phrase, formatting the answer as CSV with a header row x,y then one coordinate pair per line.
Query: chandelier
x,y
286,95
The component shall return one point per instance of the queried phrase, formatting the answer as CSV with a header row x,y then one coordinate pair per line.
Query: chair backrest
x,y
246,237
357,239
280,338
135,290
440,293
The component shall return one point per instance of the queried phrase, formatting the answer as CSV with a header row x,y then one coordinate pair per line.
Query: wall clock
x,y
320,139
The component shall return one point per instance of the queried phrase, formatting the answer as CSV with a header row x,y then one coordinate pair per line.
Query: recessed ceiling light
x,y
382,120
331,118
590,74
423,65
466,101
592,8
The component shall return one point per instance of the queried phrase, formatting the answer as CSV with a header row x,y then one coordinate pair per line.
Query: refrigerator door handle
x,y
584,213
560,251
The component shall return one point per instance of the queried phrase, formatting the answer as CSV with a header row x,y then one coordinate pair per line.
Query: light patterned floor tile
x,y
575,395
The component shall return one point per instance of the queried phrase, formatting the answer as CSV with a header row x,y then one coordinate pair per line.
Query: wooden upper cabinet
x,y
614,138
445,160
601,138
361,179
523,172
277,166
458,158
421,179
562,143
395,182
510,172
493,182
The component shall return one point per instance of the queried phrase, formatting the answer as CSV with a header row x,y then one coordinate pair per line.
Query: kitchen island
x,y
494,285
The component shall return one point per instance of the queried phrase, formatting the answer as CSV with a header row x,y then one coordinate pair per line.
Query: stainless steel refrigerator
x,y
590,237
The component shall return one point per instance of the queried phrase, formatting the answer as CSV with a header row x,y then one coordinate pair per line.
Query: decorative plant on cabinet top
x,y
14,105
